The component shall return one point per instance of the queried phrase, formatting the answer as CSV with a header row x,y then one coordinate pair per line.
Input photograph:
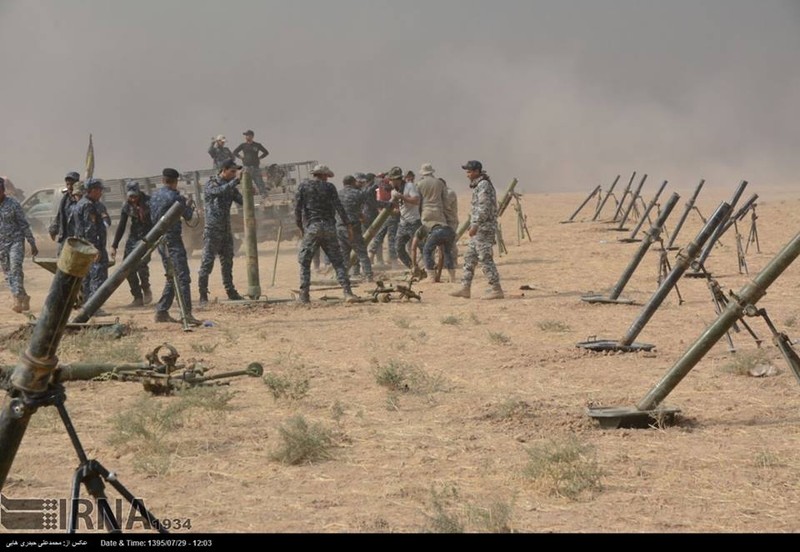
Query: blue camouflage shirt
x,y
14,225
161,201
218,196
318,201
88,219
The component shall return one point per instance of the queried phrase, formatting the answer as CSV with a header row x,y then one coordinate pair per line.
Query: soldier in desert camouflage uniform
x,y
482,231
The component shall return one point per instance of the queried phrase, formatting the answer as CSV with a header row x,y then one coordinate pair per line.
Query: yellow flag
x,y
90,159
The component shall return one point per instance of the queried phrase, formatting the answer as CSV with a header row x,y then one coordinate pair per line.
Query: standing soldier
x,y
14,230
482,231
406,194
316,207
63,227
220,192
434,199
89,225
251,153
451,216
172,249
137,209
350,237
219,152
389,228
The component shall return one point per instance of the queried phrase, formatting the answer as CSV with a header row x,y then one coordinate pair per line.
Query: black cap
x,y
132,188
72,175
92,183
170,173
349,180
248,133
229,164
472,166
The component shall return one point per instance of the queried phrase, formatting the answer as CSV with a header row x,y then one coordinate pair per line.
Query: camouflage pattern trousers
x,y
444,236
479,250
11,256
138,279
175,252
98,273
357,245
217,243
405,233
389,228
319,235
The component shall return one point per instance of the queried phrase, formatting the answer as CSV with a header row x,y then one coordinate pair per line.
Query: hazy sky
x,y
562,94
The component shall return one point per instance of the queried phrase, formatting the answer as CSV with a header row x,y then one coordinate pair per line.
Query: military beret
x,y
72,175
229,164
170,173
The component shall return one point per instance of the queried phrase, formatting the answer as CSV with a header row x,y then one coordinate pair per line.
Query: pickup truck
x,y
41,206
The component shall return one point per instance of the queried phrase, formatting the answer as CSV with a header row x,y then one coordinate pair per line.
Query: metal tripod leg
x,y
92,474
664,269
752,236
740,254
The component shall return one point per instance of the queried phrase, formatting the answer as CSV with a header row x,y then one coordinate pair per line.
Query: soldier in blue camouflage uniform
x,y
14,231
219,152
62,227
316,206
137,210
353,198
482,231
172,248
88,218
219,194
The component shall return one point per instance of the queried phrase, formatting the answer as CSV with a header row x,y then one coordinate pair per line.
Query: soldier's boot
x,y
496,292
234,296
26,302
304,297
147,296
463,292
137,302
17,304
192,321
451,273
203,298
163,316
349,297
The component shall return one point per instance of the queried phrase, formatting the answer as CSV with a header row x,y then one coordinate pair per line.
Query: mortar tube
x,y
651,237
585,201
31,376
748,296
646,214
624,197
605,199
685,215
632,203
719,231
129,264
684,260
250,237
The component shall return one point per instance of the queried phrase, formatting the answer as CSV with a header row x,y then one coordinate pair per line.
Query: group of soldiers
x,y
423,215
422,218
249,152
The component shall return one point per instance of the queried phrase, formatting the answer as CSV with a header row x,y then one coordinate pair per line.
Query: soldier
x,y
370,210
251,153
172,248
451,216
350,237
407,195
63,227
14,231
316,206
434,192
219,193
137,209
219,152
384,197
89,225
482,231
